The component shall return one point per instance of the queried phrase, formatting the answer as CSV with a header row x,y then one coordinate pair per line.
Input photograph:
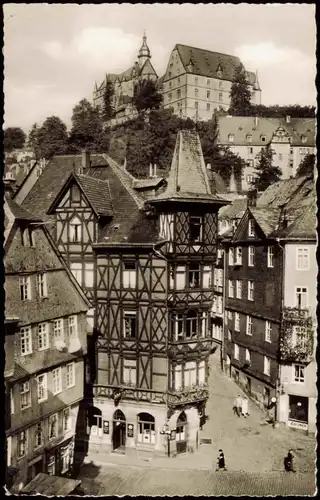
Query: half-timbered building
x,y
45,347
154,294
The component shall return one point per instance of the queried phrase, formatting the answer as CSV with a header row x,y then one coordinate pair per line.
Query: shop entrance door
x,y
119,431
181,433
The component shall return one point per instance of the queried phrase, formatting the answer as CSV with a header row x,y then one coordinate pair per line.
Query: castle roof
x,y
206,63
257,128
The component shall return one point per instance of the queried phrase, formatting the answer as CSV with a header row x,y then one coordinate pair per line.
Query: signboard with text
x,y
130,431
105,427
298,425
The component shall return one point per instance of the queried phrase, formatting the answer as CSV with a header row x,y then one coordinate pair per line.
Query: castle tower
x,y
144,52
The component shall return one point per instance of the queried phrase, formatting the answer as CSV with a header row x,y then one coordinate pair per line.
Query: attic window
x,y
231,137
75,193
249,138
304,139
263,138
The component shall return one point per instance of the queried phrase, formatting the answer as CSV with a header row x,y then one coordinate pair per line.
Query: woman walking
x,y
245,407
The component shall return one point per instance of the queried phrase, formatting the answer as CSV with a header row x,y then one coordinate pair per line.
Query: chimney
x,y
252,198
288,118
256,120
85,159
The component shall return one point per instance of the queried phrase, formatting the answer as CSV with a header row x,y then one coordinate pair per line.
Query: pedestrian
x,y
221,465
237,406
288,462
245,407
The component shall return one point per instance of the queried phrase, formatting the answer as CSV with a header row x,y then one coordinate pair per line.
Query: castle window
x,y
231,137
208,106
220,96
208,94
303,139
249,138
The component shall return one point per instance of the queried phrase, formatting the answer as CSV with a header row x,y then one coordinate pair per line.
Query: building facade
x,y
269,337
197,82
124,84
291,139
44,370
153,304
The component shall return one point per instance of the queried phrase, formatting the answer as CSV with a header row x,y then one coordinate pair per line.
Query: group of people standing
x,y
241,406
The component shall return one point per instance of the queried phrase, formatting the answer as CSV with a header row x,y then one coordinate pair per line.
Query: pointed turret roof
x,y
144,49
256,85
188,178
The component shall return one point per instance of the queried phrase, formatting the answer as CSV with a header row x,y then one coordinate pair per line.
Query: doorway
x,y
119,431
181,433
35,469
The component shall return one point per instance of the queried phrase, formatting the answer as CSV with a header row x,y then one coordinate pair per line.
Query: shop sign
x,y
106,427
130,431
298,425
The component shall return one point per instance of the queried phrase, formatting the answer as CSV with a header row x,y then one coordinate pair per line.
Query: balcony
x,y
188,395
296,336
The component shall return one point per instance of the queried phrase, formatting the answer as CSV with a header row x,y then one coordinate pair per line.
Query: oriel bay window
x,y
191,324
129,372
207,277
195,228
188,375
129,274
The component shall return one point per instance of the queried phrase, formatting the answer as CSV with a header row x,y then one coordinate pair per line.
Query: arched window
x,y
146,428
75,228
181,433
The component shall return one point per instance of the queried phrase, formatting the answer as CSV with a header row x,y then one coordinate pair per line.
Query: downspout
x,y
223,307
278,380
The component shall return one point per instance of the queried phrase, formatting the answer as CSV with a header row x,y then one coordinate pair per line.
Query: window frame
x,y
236,351
23,331
194,275
56,388
270,257
249,325
129,276
299,378
230,289
231,256
71,384
199,224
76,268
42,286
268,331
251,290
239,289
25,287
89,275
43,387
251,232
72,334
238,260
129,366
237,322
132,316
23,442
303,257
43,336
251,256
266,363
39,432
247,355
25,392
53,419
75,235
59,329
300,306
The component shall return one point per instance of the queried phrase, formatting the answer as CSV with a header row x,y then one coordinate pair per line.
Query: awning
x,y
51,485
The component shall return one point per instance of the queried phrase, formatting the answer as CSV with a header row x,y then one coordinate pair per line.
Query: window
x,y
231,137
270,256
249,326
65,456
51,467
88,274
196,92
266,365
249,138
250,150
238,256
291,151
237,322
129,371
43,337
196,104
250,179
208,106
268,331
76,269
202,372
178,94
179,80
191,324
25,341
229,335
42,387
177,326
304,139
299,336
170,95
302,259
217,332
207,274
22,443
298,373
301,297
25,395
298,408
70,375
146,428
236,352
58,329
75,193
208,94
291,163
239,289
251,257
263,138
196,80
42,285
231,256
220,85
250,164
194,276
38,435
53,426
221,99
180,277
25,287
248,356
129,275
75,230
66,420
204,324
129,324
251,228
56,381
231,288
190,374
195,228
72,327
250,290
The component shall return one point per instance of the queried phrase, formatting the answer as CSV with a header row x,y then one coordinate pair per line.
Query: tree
x,y
146,96
240,94
52,138
108,110
265,173
306,166
33,140
87,130
13,138
276,111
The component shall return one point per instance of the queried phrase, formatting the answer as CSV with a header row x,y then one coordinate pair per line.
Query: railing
x,y
188,395
297,335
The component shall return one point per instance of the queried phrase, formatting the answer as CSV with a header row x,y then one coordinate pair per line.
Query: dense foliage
x,y
50,139
13,138
276,111
306,166
108,110
265,172
146,96
87,131
240,94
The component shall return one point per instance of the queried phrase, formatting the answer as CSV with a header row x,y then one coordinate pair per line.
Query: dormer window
x,y
249,138
251,228
263,138
303,139
75,230
219,71
195,229
231,137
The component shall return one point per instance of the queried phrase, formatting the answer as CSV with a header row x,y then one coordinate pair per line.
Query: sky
x,y
54,53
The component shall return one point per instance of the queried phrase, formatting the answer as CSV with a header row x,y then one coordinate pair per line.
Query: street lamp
x,y
166,432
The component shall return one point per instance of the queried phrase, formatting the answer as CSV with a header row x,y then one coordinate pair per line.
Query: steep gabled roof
x,y
188,178
235,210
97,193
280,193
19,212
206,62
267,218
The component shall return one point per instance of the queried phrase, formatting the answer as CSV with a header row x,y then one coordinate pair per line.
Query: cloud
x,y
53,49
268,54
